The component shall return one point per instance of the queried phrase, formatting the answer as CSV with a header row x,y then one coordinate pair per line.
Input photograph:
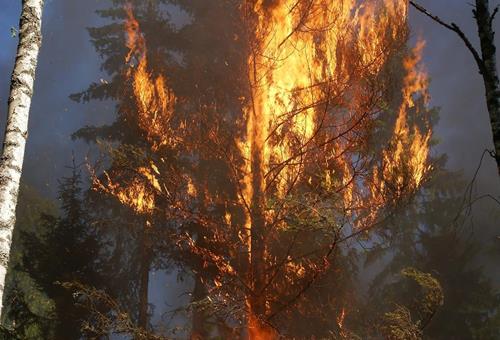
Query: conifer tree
x,y
65,250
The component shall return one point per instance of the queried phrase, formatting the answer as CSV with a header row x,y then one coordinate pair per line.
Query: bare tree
x,y
16,132
485,59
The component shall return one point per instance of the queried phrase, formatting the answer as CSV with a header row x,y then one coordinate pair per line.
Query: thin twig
x,y
454,27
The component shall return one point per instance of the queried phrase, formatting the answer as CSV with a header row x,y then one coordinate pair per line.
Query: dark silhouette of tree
x,y
29,312
434,239
64,249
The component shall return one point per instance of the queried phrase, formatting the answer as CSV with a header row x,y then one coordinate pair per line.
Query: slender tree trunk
x,y
258,239
146,256
257,134
258,300
16,132
486,61
489,71
199,317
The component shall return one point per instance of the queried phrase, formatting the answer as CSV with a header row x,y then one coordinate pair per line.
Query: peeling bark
x,y
16,132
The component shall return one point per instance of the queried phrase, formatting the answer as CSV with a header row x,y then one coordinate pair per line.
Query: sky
x,y
457,89
456,86
68,64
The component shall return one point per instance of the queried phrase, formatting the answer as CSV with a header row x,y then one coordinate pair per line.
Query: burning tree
x,y
258,190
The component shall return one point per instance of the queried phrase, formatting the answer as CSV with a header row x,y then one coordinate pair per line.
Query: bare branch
x,y
455,28
492,18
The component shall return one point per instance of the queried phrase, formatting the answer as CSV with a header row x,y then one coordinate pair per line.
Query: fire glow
x,y
303,55
313,66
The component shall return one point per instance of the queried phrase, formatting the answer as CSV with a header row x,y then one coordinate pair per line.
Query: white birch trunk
x,y
16,132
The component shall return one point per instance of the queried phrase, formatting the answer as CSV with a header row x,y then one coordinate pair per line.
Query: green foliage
x,y
432,292
398,325
50,250
410,315
28,309
424,236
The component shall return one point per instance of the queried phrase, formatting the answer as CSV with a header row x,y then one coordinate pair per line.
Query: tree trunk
x,y
199,318
258,254
146,256
486,61
16,132
484,20
257,271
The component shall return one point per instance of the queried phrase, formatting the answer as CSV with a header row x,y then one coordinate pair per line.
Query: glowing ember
x,y
340,319
258,331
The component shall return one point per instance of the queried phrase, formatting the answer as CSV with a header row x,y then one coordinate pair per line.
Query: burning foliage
x,y
329,135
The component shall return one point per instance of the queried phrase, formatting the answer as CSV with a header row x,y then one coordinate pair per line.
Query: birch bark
x,y
16,132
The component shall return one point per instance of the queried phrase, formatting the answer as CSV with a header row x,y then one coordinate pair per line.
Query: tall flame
x,y
309,72
155,100
405,164
154,107
299,62
313,69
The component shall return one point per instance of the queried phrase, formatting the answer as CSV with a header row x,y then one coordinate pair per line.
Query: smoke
x,y
68,63
457,88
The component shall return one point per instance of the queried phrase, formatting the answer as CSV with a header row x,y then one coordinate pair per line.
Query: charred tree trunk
x,y
16,132
258,301
257,271
146,256
488,69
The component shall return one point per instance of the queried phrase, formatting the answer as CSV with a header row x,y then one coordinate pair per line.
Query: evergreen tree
x,y
64,250
435,239
208,78
29,312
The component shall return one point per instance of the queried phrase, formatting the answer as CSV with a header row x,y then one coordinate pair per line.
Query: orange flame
x,y
139,194
406,163
309,70
155,100
155,106
300,61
